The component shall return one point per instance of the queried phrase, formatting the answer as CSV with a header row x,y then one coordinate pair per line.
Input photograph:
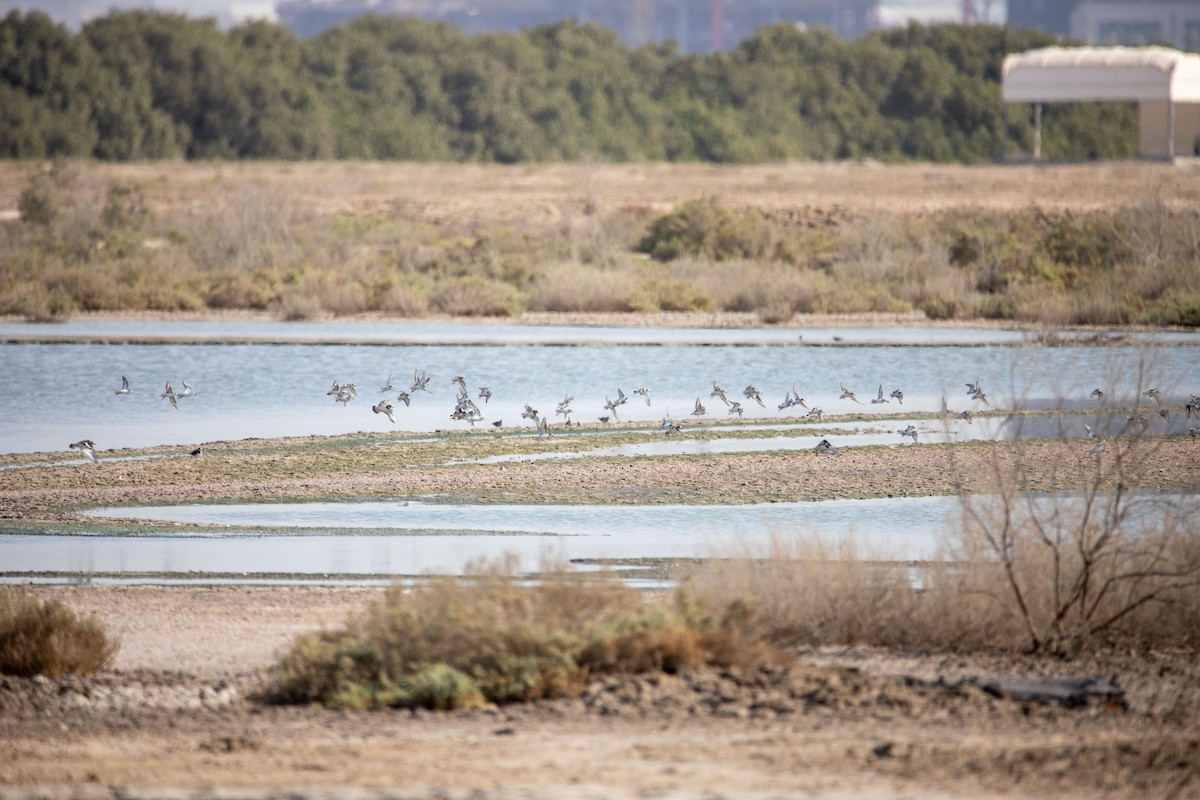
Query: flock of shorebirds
x,y
467,410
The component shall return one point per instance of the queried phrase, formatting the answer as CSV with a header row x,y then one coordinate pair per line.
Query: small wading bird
x,y
644,392
199,451
879,398
186,391
751,393
699,410
530,413
124,387
1192,406
543,429
815,412
169,394
848,395
899,395
420,382
736,408
910,431
498,423
485,394
1152,393
87,447
967,416
404,397
1097,393
387,386
825,448
385,408
668,426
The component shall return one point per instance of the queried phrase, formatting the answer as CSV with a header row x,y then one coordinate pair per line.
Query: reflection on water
x,y
275,390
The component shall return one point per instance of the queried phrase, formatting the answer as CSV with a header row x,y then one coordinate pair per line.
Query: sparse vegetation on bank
x,y
85,242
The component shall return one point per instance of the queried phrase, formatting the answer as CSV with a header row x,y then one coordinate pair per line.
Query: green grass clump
x,y
487,638
48,638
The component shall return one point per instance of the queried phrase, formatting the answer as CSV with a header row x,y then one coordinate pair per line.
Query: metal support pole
x,y
1004,135
1170,129
1037,131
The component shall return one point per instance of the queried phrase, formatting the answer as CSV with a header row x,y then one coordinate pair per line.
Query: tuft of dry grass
x,y
491,638
45,637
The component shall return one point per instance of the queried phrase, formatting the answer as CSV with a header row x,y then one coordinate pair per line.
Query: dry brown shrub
x,y
579,287
45,637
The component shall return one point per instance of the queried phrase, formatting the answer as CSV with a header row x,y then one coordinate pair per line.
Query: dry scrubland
x,y
795,668
1101,243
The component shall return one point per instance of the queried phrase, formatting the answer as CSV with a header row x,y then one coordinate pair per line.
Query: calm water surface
x,y
64,392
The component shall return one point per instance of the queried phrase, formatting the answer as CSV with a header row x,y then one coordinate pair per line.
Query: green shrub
x,y
45,637
706,227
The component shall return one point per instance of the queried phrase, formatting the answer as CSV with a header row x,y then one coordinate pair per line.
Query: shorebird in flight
x,y
719,392
910,431
644,392
621,398
1091,434
384,407
668,426
973,388
169,394
736,408
543,429
87,447
612,407
186,391
899,395
848,395
879,398
420,381
699,410
124,387
461,381
1152,393
815,412
1097,393
751,393
967,416
485,394
404,397
530,413
387,386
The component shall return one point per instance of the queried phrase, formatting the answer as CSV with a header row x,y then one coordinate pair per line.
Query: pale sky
x,y
228,12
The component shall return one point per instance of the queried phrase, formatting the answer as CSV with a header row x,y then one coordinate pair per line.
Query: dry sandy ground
x,y
452,193
175,714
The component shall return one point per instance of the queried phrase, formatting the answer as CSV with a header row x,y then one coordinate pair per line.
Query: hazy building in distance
x,y
1113,22
697,26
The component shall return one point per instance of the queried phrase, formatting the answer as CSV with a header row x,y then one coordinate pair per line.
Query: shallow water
x,y
66,391
415,538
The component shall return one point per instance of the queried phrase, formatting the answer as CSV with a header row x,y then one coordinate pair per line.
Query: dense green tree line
x,y
148,85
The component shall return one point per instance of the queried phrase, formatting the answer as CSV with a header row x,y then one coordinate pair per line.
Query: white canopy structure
x,y
1164,82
